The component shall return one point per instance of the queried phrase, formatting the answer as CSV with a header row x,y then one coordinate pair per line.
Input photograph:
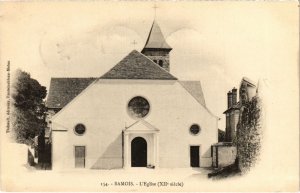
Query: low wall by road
x,y
224,154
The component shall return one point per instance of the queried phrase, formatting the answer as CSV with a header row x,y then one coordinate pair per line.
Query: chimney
x,y
229,99
234,96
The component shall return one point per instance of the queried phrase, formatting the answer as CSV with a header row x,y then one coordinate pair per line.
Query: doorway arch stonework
x,y
141,129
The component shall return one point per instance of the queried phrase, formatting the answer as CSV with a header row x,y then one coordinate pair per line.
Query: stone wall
x,y
156,56
223,155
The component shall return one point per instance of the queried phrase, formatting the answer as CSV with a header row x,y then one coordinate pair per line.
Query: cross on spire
x,y
155,7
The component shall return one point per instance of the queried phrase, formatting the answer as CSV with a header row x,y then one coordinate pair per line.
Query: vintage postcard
x,y
149,96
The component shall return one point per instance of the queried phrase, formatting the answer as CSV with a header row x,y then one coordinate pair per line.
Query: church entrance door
x,y
138,152
194,153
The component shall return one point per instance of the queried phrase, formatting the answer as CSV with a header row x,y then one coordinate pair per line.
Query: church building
x,y
135,115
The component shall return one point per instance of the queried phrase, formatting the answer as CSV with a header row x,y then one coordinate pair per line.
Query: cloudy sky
x,y
215,42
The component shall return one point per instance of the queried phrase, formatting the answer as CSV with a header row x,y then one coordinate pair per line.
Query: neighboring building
x,y
247,91
232,115
224,153
135,115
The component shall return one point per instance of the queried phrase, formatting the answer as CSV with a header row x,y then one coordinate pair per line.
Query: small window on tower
x,y
155,61
160,63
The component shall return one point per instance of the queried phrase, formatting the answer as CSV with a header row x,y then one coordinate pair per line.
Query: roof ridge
x,y
117,63
149,33
203,105
191,93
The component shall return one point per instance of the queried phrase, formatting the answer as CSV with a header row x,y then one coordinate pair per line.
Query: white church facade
x,y
135,115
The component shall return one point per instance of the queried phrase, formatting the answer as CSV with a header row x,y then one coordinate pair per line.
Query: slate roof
x,y
156,38
137,66
195,89
63,90
236,106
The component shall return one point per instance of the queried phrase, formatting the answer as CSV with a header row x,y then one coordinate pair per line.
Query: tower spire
x,y
156,47
156,39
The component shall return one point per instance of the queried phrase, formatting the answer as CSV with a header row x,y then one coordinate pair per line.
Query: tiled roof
x,y
195,89
156,38
137,66
63,90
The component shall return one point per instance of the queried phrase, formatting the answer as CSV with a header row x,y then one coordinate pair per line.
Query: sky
x,y
217,43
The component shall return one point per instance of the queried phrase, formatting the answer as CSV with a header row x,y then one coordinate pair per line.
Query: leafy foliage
x,y
221,135
28,116
248,139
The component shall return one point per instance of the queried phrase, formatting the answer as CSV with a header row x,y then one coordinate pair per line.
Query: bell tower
x,y
156,47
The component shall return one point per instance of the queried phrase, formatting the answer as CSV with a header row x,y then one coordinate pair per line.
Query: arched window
x,y
160,63
195,129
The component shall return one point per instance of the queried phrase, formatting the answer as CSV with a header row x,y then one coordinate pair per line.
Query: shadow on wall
x,y
207,153
112,156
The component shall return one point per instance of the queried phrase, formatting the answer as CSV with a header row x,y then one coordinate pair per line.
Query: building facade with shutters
x,y
135,115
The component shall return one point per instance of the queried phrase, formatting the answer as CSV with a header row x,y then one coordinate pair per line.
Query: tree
x,y
249,134
28,115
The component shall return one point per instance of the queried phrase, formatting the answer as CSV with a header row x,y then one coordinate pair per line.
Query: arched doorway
x,y
138,152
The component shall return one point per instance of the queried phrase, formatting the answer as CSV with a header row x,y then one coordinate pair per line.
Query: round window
x,y
79,129
138,107
195,129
